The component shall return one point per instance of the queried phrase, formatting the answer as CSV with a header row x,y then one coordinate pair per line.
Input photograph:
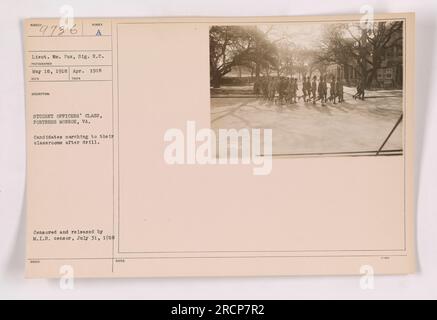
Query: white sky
x,y
301,34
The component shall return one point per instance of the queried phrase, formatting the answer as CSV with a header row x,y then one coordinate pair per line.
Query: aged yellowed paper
x,y
220,146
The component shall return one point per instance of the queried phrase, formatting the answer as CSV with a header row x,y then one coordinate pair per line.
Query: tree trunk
x,y
216,79
376,65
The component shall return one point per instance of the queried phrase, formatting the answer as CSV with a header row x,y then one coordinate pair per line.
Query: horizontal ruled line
x,y
68,80
85,50
75,66
80,36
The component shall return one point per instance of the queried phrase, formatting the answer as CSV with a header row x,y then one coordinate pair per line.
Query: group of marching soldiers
x,y
282,90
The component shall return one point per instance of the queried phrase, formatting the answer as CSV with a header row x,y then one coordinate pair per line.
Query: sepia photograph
x,y
324,89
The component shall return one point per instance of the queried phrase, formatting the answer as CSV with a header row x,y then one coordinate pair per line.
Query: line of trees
x,y
262,53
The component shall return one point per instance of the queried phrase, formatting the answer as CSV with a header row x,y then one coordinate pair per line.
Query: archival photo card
x,y
237,146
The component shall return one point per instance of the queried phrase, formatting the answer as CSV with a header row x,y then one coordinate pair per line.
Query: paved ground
x,y
353,126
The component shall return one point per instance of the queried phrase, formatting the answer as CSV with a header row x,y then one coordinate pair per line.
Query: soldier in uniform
x,y
333,90
325,89
305,91
320,90
295,89
304,88
340,90
314,89
289,95
363,90
282,87
309,88
360,91
289,90
286,89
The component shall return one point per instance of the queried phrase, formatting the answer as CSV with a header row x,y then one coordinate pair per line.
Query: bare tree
x,y
232,46
364,48
226,46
